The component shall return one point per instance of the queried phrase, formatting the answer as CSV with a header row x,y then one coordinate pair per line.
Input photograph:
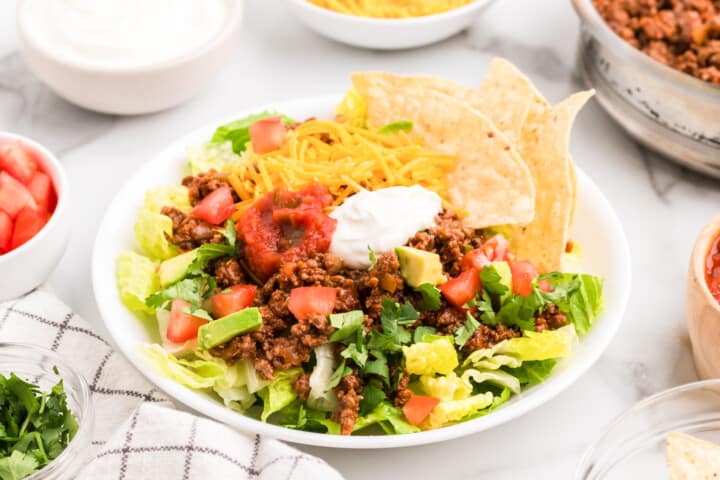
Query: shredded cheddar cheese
x,y
344,158
390,8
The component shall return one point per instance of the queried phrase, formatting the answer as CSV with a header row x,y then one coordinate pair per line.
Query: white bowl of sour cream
x,y
127,57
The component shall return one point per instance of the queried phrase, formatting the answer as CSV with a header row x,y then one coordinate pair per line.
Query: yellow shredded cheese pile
x,y
390,8
344,158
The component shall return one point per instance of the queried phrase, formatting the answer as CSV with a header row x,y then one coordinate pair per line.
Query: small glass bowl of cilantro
x,y
46,415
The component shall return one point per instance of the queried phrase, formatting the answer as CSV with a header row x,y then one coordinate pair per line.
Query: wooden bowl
x,y
703,311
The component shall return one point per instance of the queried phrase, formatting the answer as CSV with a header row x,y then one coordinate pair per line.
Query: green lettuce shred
x,y
136,277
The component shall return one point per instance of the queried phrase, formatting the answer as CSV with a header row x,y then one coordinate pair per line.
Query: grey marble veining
x,y
662,208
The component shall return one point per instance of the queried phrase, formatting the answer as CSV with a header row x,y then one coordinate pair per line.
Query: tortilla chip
x,y
493,100
545,148
507,97
490,181
689,458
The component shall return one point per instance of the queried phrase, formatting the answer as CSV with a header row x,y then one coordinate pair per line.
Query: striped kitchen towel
x,y
137,433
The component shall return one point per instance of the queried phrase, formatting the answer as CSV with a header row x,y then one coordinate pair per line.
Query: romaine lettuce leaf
x,y
450,411
448,387
533,372
197,374
321,396
531,346
390,419
425,358
578,295
153,228
211,156
496,377
137,278
280,393
167,196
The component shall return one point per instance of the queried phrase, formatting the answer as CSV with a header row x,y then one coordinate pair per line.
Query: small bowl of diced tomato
x,y
33,227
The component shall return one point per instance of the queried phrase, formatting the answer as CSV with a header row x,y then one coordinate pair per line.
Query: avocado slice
x,y
173,269
223,329
418,266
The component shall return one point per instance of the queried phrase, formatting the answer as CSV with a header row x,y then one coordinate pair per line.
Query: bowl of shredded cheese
x,y
388,25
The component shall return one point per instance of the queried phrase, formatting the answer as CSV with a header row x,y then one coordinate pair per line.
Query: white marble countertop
x,y
662,208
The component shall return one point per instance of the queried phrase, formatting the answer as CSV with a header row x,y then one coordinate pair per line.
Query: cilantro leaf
x,y
520,311
17,466
394,127
357,354
463,334
372,257
373,395
492,282
421,331
230,233
394,314
207,252
346,324
377,366
341,371
196,311
192,290
430,297
485,307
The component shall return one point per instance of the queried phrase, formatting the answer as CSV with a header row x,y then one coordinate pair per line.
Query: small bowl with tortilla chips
x,y
673,434
387,25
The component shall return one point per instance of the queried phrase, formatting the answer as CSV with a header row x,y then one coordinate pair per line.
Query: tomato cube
x,y
14,195
183,326
418,408
216,207
267,134
523,274
307,301
17,161
29,222
6,229
239,297
461,289
42,190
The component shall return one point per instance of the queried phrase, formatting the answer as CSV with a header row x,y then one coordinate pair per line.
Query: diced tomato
x,y
461,289
17,161
267,134
42,190
418,408
216,207
544,285
14,195
239,297
493,250
523,274
182,326
6,229
28,222
306,301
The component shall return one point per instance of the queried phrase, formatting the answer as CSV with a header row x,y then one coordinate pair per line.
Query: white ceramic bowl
x,y
384,33
130,91
29,265
596,228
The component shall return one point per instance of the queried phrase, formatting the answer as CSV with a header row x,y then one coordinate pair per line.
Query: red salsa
x,y
712,269
285,226
27,195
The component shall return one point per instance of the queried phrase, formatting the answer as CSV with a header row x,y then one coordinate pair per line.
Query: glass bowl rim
x,y
592,449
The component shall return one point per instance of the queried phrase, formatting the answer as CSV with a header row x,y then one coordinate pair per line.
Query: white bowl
x,y
386,33
136,90
29,265
596,228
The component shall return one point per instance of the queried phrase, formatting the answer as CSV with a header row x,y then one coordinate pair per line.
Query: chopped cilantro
x,y
373,395
36,426
393,314
463,334
230,233
346,324
192,290
207,252
378,366
492,282
430,297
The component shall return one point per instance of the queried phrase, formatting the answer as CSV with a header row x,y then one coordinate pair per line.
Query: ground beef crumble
x,y
202,185
683,34
348,393
190,232
550,319
449,239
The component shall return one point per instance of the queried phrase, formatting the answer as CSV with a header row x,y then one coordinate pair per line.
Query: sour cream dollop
x,y
382,219
122,33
